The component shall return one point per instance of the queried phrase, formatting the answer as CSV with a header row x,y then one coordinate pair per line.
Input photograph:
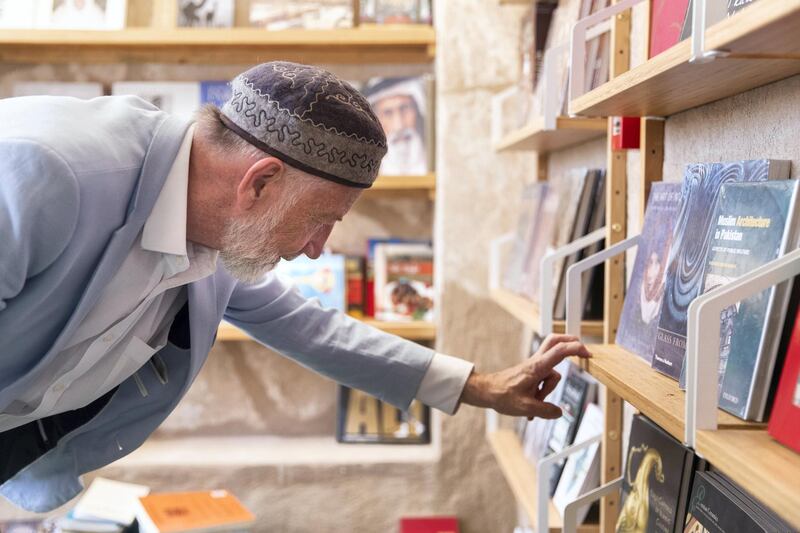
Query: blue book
x,y
214,92
322,279
690,243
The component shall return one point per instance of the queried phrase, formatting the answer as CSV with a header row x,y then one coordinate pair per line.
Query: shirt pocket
x,y
135,354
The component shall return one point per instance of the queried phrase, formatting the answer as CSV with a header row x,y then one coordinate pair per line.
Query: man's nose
x,y
316,244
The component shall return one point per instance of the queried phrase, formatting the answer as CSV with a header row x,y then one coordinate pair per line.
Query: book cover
x,y
758,512
80,14
532,195
753,225
369,279
713,508
354,272
784,422
582,470
656,480
214,92
107,499
364,418
83,90
404,282
202,511
322,278
642,306
175,97
301,14
205,13
395,11
690,243
666,23
539,243
437,524
402,106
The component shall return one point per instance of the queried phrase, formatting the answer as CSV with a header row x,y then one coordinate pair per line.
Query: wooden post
x,y
651,150
542,159
616,222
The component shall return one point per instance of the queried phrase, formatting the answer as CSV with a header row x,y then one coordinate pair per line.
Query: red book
x,y
784,423
666,23
438,524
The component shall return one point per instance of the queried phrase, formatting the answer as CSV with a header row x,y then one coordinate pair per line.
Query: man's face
x,y
396,114
294,222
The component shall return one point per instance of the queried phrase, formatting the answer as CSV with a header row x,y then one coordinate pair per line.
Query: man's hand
x,y
521,389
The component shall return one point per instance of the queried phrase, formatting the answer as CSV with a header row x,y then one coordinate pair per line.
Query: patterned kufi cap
x,y
310,119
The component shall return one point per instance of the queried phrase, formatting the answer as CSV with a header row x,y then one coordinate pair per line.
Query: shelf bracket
x,y
699,54
702,350
571,511
543,468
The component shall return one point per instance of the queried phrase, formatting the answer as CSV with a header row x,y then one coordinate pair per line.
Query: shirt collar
x,y
165,228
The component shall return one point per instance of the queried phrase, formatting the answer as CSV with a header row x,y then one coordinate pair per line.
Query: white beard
x,y
406,155
242,254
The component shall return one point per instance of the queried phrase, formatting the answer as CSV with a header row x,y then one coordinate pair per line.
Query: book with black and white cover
x,y
582,470
80,14
690,243
656,481
175,97
754,224
764,516
580,389
85,90
736,5
205,13
642,306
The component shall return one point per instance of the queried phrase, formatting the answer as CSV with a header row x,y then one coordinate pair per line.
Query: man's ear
x,y
252,185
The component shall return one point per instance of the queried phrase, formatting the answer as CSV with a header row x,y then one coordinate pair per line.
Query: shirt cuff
x,y
443,382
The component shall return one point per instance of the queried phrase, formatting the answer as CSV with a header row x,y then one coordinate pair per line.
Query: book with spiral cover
x,y
690,243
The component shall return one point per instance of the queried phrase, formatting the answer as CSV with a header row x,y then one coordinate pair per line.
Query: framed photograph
x,y
81,14
174,97
395,11
363,418
205,13
301,14
17,15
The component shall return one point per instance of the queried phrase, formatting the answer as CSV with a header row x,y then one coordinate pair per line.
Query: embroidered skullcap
x,y
308,118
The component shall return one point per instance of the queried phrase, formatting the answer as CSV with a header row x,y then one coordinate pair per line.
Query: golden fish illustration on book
x,y
635,511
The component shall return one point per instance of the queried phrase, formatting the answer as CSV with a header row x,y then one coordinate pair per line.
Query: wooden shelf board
x,y
425,182
761,466
369,43
521,477
416,331
569,131
652,393
527,312
668,83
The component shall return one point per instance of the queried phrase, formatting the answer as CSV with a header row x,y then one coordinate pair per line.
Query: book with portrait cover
x,y
404,282
642,305
753,225
784,422
690,242
364,418
656,482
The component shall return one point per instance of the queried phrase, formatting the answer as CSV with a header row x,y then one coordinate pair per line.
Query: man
x,y
129,234
399,104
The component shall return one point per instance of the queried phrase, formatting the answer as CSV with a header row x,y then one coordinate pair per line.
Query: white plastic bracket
x,y
574,281
702,350
571,511
495,258
577,54
543,468
546,282
699,53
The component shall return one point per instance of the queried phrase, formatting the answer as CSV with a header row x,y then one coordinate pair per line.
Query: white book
x,y
16,14
80,14
582,470
175,97
106,499
74,89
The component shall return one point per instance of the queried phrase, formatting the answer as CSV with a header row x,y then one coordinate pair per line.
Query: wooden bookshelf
x,y
415,331
527,312
521,477
408,43
655,395
425,182
764,46
568,132
767,470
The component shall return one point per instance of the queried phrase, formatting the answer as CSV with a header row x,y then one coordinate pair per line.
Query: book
x,y
395,11
657,480
205,13
404,282
214,92
438,524
582,469
369,278
402,106
579,390
196,512
642,305
106,499
537,431
690,243
783,422
573,190
75,89
301,14
532,195
539,243
364,418
174,97
354,278
666,23
322,279
593,291
753,224
736,5
761,514
81,14
17,15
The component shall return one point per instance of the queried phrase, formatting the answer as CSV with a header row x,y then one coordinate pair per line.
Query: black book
x,y
657,480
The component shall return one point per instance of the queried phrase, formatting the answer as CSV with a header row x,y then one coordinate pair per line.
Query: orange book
x,y
196,512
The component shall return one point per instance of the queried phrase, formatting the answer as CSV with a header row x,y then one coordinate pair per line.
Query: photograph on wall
x,y
205,13
81,14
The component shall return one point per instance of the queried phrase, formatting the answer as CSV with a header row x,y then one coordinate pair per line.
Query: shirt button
x,y
108,338
58,387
